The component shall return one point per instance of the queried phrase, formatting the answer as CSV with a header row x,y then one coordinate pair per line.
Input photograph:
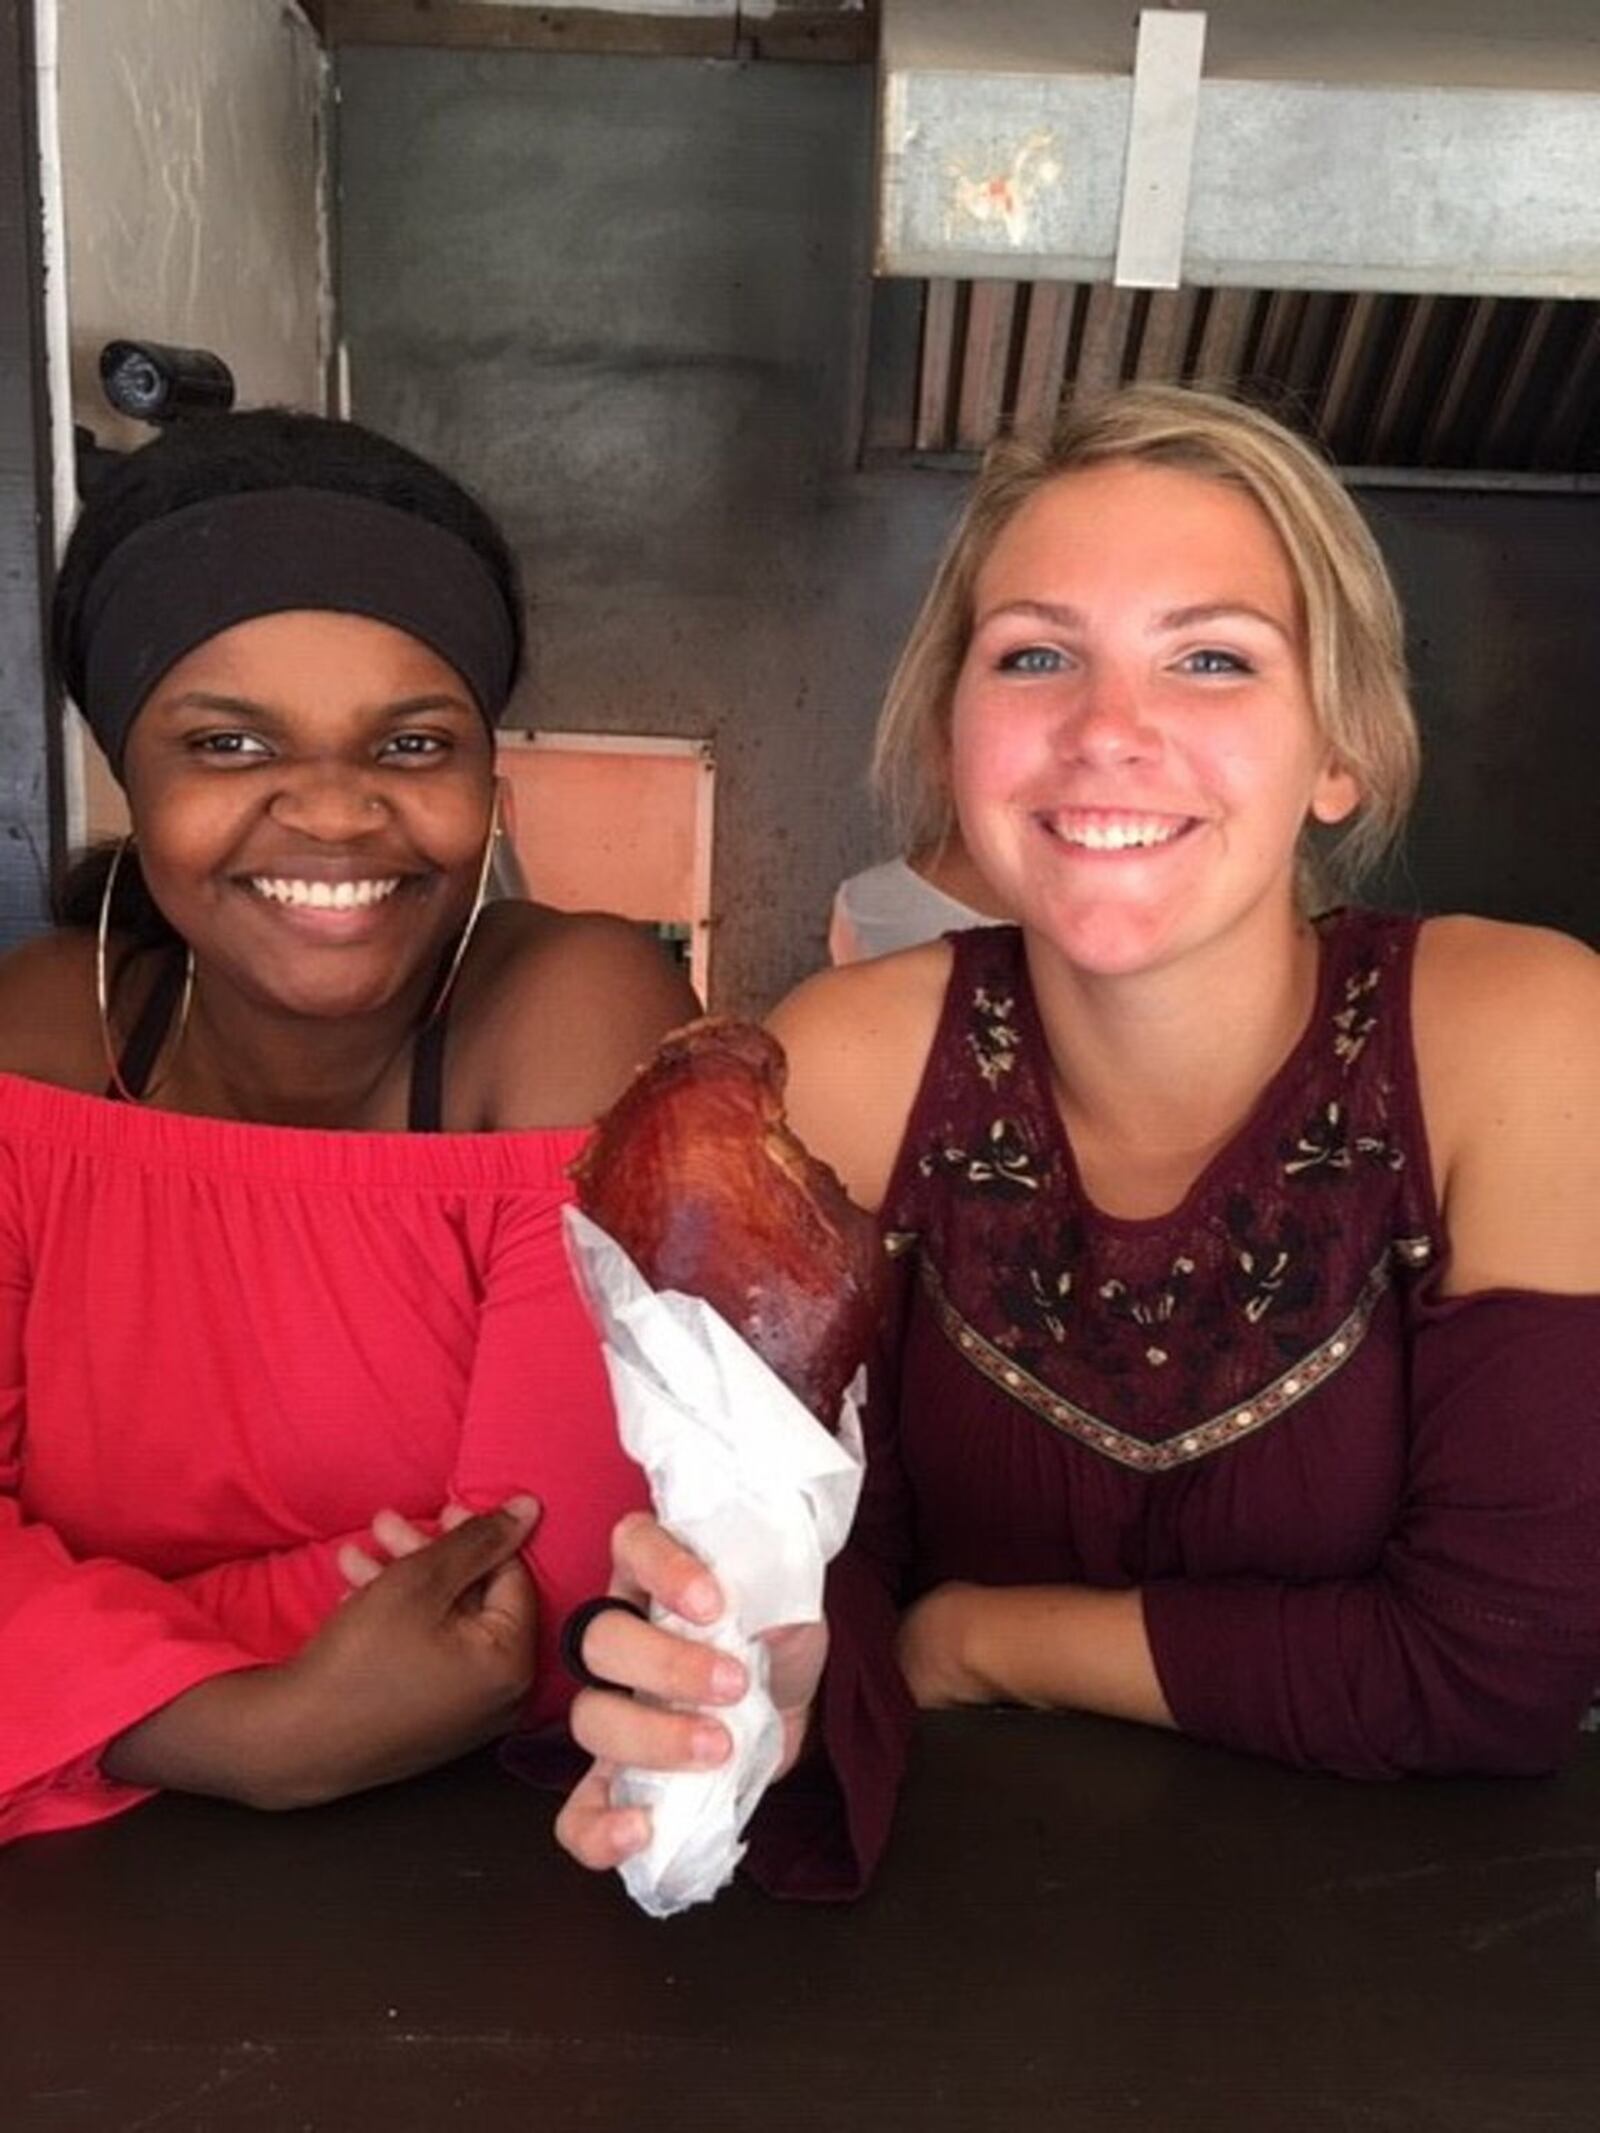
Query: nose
x,y
1107,720
330,802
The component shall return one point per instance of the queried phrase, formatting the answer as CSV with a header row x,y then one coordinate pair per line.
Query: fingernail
x,y
728,1680
709,1744
702,1601
631,1835
525,1509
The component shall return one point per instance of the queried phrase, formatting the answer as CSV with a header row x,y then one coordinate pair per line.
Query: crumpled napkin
x,y
747,1478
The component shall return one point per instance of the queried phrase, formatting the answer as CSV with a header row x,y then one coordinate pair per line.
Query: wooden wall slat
x,y
1102,359
1165,337
1451,399
991,310
934,372
1509,409
1230,315
1046,338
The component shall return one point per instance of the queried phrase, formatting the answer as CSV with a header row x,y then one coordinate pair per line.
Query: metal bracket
x,y
1161,129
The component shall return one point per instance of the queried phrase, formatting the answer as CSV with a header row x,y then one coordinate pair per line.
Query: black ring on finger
x,y
576,1628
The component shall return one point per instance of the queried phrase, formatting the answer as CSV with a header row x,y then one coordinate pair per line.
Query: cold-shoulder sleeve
x,y
1474,1644
87,1647
821,1832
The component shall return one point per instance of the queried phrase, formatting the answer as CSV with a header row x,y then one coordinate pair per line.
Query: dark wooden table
x,y
1079,1925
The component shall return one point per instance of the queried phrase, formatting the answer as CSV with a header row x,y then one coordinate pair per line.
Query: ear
x,y
1335,795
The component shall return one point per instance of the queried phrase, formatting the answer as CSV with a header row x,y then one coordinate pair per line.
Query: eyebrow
x,y
249,707
1067,618
1182,618
1175,618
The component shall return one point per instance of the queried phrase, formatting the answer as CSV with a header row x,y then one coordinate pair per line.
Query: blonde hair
x,y
1355,645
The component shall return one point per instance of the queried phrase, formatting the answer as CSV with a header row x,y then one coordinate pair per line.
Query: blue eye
x,y
1031,659
1209,660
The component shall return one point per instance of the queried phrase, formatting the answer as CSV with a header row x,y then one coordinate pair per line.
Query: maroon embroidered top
x,y
1366,1519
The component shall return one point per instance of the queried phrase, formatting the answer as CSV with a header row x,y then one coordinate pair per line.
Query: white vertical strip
x,y
332,357
1161,125
704,922
58,361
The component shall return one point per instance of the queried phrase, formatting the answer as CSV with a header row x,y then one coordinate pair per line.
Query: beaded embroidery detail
x,y
1156,1343
1157,1458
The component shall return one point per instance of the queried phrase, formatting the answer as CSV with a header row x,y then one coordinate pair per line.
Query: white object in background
x,y
1160,161
889,907
747,1478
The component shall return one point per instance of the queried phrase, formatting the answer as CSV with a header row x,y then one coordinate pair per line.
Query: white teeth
x,y
1138,831
323,895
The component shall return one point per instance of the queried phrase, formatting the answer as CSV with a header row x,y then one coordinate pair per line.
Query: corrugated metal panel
x,y
1425,382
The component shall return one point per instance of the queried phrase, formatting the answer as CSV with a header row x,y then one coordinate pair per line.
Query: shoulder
x,y
48,1024
857,1041
1507,1031
561,1008
1504,1012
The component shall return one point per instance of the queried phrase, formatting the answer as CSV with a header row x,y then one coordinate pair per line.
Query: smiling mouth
x,y
1100,832
299,895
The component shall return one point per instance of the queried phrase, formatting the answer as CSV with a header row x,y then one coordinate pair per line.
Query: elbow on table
x,y
1483,1731
1519,1742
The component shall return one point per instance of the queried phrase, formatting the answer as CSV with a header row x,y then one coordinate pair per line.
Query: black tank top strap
x,y
149,1032
425,1104
425,1100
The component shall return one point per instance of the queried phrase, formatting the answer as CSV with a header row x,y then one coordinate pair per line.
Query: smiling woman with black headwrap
x,y
284,1312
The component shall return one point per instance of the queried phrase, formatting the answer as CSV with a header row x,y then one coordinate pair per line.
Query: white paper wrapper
x,y
744,1476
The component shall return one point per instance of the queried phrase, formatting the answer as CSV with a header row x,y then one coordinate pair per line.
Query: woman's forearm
x,y
226,1737
1053,1646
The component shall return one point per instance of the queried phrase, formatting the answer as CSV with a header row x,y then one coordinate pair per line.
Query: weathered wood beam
x,y
805,30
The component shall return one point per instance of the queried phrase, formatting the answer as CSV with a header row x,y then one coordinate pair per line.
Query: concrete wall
x,y
1502,600
625,299
191,163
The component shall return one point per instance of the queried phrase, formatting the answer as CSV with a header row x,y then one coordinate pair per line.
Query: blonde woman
x,y
1244,1375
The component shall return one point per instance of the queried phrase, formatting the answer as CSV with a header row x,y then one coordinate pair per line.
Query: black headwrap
x,y
185,578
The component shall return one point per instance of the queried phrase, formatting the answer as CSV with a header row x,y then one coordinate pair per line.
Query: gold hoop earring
x,y
102,987
479,899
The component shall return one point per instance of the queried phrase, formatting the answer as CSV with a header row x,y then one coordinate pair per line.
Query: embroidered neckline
x,y
1160,1455
1156,1341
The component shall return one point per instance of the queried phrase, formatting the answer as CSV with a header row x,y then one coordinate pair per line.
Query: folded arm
x,y
1474,1642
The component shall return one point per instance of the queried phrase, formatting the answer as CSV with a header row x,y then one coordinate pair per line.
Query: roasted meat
x,y
696,1176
